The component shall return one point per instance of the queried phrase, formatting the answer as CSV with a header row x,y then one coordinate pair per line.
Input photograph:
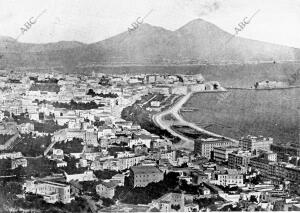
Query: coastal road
x,y
186,143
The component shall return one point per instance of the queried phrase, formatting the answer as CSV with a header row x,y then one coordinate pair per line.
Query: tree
x,y
253,199
175,207
107,202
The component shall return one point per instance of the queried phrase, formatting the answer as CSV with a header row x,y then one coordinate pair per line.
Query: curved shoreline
x,y
174,110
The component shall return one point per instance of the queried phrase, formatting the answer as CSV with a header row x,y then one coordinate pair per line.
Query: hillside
x,y
197,41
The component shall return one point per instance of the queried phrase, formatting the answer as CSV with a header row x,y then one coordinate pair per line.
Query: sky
x,y
88,21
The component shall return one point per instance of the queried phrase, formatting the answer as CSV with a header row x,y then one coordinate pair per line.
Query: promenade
x,y
174,110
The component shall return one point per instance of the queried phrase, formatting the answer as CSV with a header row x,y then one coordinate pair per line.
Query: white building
x,y
52,192
229,177
86,176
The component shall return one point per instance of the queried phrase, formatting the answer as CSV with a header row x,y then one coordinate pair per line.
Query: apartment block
x,y
204,147
141,176
253,143
221,153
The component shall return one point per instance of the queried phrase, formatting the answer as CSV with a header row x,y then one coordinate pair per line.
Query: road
x,y
186,143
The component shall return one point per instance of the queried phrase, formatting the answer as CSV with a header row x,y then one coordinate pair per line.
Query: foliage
x,y
36,202
72,168
175,207
253,199
4,166
105,174
230,207
73,146
205,202
107,202
114,149
77,105
104,81
256,180
32,146
8,192
188,188
144,119
144,195
89,187
99,123
40,167
103,95
48,80
229,189
49,126
4,138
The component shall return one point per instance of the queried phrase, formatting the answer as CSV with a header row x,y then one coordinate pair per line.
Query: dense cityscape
x,y
118,143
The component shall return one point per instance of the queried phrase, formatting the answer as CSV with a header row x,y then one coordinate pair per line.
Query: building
x,y
204,147
199,177
155,103
107,188
11,155
140,140
253,143
26,128
127,162
57,154
221,153
229,177
141,176
269,155
276,171
282,150
169,202
120,178
86,176
52,192
239,159
15,163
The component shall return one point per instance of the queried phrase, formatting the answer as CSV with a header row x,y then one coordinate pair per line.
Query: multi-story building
x,y
126,163
141,176
282,150
107,188
52,192
205,146
229,177
221,153
239,159
276,171
262,165
253,143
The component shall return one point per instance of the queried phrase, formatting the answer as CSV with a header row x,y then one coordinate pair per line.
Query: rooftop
x,y
144,169
110,183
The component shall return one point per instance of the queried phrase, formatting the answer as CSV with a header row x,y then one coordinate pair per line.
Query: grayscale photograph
x,y
149,106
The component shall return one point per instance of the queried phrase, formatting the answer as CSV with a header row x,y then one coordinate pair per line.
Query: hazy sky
x,y
278,21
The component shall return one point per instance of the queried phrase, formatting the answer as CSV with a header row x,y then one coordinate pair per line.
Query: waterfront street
x,y
174,110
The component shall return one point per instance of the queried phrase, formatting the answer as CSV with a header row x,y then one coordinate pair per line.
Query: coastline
x,y
275,88
174,110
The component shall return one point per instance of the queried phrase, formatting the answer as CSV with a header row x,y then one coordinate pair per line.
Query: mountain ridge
x,y
196,42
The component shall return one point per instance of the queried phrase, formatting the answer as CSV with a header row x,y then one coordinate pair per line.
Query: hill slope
x,y
197,41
